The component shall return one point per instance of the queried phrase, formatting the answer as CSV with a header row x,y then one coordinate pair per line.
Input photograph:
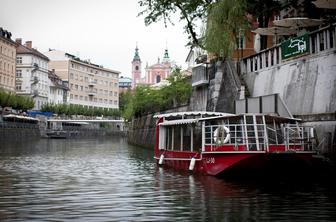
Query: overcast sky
x,y
104,31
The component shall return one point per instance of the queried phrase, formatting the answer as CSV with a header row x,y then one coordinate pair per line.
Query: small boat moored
x,y
213,143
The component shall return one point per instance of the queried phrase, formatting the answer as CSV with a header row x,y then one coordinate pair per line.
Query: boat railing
x,y
298,137
252,137
242,137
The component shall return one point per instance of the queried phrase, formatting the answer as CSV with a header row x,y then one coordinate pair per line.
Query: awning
x,y
178,122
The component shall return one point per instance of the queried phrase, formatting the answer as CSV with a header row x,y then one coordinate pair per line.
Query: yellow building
x,y
90,84
7,61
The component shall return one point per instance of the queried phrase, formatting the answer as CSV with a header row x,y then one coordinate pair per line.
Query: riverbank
x,y
11,131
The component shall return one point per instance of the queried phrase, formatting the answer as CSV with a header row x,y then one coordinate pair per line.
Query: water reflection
x,y
108,180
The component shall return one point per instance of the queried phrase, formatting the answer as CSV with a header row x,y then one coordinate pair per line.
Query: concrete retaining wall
x,y
307,84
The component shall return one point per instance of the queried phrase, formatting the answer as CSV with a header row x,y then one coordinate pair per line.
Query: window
x,y
136,68
71,75
115,93
18,73
18,87
19,60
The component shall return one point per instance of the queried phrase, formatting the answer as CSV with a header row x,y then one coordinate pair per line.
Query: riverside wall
x,y
11,131
18,131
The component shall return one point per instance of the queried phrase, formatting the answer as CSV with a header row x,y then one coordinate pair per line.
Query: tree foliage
x,y
226,19
147,99
18,102
189,11
72,109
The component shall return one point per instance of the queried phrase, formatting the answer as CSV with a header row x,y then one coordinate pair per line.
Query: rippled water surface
x,y
109,180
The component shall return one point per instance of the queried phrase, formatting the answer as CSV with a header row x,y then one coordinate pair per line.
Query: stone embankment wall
x,y
18,131
307,84
24,131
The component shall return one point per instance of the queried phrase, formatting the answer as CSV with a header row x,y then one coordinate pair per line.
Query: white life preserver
x,y
217,135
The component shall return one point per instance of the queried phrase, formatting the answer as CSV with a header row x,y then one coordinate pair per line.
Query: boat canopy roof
x,y
178,122
195,113
179,118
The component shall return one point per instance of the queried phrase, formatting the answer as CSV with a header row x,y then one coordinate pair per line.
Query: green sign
x,y
295,47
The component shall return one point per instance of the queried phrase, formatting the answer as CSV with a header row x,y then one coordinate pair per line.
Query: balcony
x,y
91,92
319,41
92,83
199,76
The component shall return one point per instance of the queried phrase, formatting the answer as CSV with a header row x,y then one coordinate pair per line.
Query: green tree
x,y
190,11
226,19
179,89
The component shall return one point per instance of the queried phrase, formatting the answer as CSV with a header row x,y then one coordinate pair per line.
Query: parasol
x,y
274,31
328,4
297,22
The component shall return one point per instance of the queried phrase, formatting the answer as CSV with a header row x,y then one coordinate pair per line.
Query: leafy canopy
x,y
147,99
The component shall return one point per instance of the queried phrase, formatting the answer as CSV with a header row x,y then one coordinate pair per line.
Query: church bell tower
x,y
136,68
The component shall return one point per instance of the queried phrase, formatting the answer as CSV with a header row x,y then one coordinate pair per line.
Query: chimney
x,y
19,41
28,44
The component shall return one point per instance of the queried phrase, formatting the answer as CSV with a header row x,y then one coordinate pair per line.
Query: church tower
x,y
136,68
166,57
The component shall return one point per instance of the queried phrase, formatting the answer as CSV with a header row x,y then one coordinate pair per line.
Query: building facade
x,y
125,83
7,61
154,73
59,89
32,73
159,71
90,85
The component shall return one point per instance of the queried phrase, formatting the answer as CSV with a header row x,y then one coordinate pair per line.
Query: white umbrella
x,y
274,31
297,22
329,4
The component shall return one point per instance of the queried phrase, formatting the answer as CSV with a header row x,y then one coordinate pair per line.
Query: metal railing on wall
x,y
319,41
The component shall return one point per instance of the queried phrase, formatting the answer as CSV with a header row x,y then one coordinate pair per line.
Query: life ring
x,y
220,139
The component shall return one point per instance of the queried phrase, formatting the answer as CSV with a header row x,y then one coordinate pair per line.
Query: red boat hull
x,y
217,163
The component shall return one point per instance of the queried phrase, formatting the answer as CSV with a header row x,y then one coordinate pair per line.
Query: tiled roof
x,y
21,49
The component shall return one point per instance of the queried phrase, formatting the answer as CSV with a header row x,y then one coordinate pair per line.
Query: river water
x,y
109,180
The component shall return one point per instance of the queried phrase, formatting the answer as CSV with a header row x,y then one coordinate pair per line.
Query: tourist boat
x,y
214,143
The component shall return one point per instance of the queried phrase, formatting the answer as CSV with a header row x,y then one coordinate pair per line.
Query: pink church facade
x,y
153,74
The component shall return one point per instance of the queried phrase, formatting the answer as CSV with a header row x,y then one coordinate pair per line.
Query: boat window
x,y
186,146
176,137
